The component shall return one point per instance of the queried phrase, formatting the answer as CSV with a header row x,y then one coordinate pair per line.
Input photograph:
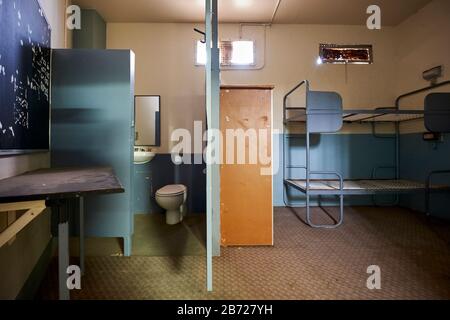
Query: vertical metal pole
x,y
81,231
209,200
63,251
308,212
213,118
308,158
397,148
215,121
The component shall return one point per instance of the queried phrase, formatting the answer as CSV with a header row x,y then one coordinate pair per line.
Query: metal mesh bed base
x,y
362,187
361,117
294,115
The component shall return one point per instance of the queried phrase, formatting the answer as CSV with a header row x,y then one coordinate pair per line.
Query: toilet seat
x,y
171,190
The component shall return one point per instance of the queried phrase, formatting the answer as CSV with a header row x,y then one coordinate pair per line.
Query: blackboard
x,y
25,37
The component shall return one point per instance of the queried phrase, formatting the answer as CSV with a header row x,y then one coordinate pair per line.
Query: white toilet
x,y
172,198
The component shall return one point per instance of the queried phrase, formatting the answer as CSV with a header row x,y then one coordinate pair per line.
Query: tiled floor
x,y
412,252
152,237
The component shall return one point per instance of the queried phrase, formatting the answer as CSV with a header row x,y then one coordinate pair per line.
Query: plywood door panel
x,y
246,194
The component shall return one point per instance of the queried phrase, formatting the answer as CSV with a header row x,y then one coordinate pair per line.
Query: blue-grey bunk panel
x,y
324,112
437,112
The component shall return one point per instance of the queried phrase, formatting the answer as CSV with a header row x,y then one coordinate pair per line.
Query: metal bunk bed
x,y
323,113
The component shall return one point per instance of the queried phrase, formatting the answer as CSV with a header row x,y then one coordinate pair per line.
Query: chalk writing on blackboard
x,y
24,76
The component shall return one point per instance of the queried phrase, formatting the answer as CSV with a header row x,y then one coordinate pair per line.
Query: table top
x,y
59,183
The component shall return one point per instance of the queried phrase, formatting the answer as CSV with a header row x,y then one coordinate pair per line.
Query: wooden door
x,y
246,193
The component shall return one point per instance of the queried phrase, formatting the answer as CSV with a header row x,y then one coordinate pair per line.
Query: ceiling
x,y
347,12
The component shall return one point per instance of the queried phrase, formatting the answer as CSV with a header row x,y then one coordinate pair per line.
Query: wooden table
x,y
34,191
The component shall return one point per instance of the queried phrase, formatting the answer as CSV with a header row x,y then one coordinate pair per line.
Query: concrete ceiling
x,y
346,12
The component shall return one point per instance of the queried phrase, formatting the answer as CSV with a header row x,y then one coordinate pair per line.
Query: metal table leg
x,y
63,251
82,251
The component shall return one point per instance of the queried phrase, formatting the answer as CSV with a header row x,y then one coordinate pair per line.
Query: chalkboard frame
x,y
15,152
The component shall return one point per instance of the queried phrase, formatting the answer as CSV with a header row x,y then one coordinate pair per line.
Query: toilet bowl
x,y
172,198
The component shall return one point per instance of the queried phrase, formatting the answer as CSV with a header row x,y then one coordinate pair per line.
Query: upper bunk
x,y
324,111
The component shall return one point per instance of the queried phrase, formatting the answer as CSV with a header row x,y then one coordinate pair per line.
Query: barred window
x,y
232,53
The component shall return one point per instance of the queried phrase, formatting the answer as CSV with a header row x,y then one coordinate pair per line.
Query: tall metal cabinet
x,y
92,124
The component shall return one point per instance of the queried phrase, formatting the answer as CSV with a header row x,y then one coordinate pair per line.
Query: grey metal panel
x,y
92,125
324,112
437,112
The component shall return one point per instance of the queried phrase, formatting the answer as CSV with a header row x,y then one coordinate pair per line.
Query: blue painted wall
x,y
418,158
92,34
92,125
353,155
161,171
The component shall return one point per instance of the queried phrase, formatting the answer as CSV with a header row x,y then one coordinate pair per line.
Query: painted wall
x,y
161,171
18,260
92,34
165,58
422,43
358,162
419,158
421,46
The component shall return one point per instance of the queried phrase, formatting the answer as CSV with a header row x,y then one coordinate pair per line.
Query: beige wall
x,y
18,260
165,62
423,42
165,66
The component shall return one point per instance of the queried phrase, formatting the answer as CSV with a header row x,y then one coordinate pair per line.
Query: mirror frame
x,y
157,121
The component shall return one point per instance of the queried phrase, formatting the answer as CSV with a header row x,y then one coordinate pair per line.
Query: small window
x,y
239,53
350,54
200,53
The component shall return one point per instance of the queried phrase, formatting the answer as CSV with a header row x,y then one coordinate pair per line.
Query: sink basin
x,y
143,157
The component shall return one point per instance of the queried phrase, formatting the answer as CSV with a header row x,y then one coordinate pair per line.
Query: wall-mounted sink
x,y
143,156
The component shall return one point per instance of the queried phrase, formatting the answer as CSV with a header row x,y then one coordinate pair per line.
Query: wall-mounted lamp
x,y
433,74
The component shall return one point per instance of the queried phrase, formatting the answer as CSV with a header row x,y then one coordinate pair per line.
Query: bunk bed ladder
x,y
309,173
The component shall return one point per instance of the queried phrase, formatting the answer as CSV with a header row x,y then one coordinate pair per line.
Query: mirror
x,y
147,113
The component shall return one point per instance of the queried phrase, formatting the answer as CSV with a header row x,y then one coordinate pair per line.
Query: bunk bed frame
x,y
323,113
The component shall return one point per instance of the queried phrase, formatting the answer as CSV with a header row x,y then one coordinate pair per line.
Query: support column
x,y
63,251
215,123
81,231
213,119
